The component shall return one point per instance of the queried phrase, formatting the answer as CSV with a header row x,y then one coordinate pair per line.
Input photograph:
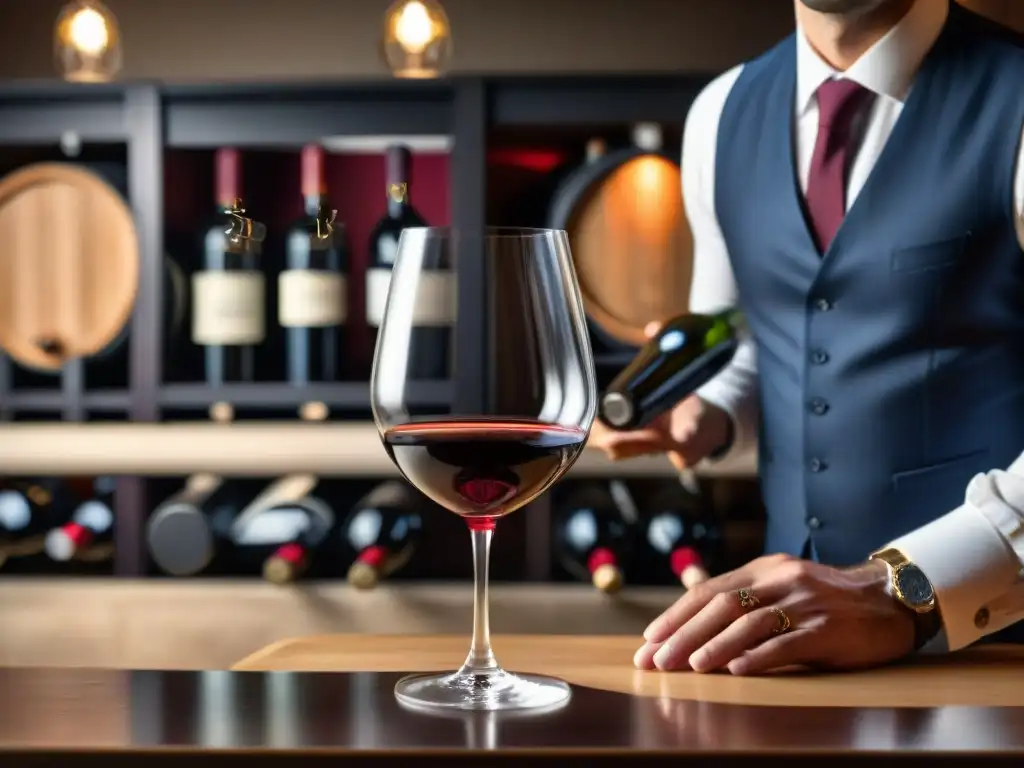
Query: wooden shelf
x,y
255,449
212,623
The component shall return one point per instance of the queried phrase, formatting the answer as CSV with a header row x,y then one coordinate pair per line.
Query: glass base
x,y
490,691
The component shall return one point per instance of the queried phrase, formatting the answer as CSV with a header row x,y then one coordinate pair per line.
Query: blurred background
x,y
188,465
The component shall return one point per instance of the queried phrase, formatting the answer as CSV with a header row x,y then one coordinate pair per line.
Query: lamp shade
x,y
417,41
87,42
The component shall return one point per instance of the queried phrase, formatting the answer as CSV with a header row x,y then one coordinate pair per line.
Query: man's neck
x,y
841,39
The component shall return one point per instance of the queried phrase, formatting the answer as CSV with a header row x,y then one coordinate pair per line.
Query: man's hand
x,y
689,433
839,619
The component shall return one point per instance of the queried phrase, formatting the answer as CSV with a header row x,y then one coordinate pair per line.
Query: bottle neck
x,y
312,203
733,318
398,200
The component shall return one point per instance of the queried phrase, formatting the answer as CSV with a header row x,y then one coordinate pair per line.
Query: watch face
x,y
916,589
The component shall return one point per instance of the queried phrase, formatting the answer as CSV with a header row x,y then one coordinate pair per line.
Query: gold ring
x,y
782,622
747,598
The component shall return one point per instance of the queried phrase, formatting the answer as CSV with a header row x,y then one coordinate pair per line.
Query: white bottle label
x,y
227,308
310,298
435,297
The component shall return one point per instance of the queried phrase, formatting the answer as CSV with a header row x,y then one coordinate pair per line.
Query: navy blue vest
x,y
891,367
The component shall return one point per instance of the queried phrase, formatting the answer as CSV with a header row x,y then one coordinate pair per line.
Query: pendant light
x,y
417,39
87,42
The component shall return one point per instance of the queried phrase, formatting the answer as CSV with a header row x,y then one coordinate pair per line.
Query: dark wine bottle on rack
x,y
312,520
687,352
89,535
594,536
181,533
29,509
383,529
435,301
279,532
312,302
684,535
228,292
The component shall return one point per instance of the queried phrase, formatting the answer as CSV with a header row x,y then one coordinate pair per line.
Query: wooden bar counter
x,y
328,699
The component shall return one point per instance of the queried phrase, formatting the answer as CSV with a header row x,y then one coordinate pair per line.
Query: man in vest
x,y
859,192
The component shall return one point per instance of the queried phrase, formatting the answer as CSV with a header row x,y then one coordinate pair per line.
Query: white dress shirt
x,y
973,555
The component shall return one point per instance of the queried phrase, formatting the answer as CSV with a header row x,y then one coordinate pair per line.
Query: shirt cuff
x,y
741,408
968,563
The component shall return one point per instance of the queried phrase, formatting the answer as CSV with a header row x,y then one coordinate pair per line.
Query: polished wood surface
x,y
280,714
987,676
69,264
211,623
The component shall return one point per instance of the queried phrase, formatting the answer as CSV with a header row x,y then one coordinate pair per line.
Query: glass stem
x,y
481,659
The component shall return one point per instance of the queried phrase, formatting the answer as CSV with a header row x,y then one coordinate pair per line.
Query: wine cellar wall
x,y
170,409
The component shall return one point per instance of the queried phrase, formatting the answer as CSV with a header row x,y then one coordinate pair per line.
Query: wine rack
x,y
154,428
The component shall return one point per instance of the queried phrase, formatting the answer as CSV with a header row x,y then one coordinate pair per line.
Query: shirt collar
x,y
888,67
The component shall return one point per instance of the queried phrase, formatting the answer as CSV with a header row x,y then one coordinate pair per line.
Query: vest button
x,y
813,523
823,305
818,406
816,465
819,357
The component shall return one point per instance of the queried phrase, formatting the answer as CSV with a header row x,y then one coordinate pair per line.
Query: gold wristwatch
x,y
912,589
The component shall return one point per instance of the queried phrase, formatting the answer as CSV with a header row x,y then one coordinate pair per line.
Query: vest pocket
x,y
934,255
946,480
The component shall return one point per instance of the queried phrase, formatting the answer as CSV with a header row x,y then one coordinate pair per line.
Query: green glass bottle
x,y
685,354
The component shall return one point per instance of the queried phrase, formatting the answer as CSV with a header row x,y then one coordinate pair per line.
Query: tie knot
x,y
837,100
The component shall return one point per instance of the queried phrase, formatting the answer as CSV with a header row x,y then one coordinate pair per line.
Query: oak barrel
x,y
631,244
69,264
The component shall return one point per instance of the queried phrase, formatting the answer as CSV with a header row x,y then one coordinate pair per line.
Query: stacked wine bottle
x,y
604,536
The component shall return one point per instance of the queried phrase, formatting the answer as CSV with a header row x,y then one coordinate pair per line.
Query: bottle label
x,y
272,526
434,302
310,298
228,308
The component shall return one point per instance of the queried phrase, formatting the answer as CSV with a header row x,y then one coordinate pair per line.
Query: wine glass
x,y
486,457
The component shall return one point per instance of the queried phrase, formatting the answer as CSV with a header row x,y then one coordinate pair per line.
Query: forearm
x,y
974,557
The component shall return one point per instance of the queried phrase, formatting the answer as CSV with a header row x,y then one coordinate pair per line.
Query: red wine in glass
x,y
495,447
483,469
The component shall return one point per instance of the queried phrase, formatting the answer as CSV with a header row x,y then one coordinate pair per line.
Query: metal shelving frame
x,y
150,117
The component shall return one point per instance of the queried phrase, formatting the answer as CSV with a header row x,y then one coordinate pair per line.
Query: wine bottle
x,y
312,288
594,537
435,300
685,354
279,531
89,535
181,532
383,529
28,510
312,520
228,292
682,531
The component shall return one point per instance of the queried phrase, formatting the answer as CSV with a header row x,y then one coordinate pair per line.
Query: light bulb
x,y
88,32
413,27
417,38
87,44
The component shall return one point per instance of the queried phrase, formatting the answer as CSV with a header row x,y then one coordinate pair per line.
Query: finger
x,y
678,461
708,622
794,647
627,445
686,607
745,633
644,657
651,329
713,619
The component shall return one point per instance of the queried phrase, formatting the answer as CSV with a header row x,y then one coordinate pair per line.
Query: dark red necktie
x,y
838,104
